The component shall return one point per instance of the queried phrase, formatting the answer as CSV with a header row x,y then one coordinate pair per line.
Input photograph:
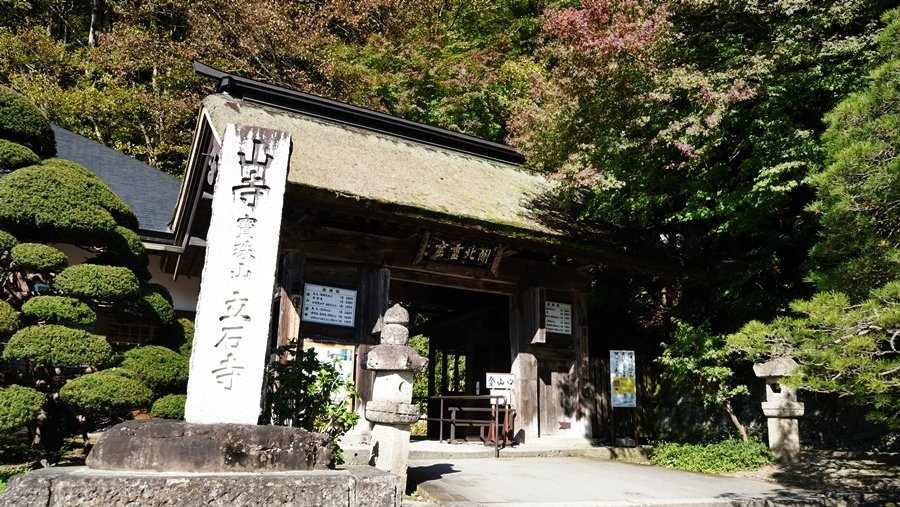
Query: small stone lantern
x,y
781,408
395,364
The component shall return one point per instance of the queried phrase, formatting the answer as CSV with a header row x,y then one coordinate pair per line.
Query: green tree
x,y
845,342
62,363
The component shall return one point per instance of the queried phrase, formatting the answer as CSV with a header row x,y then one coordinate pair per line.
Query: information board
x,y
622,378
558,317
329,305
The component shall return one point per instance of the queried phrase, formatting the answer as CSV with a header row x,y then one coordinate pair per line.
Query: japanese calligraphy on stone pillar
x,y
234,309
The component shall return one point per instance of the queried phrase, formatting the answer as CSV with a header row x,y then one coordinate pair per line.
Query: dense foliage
x,y
13,156
722,457
170,406
304,392
22,123
162,370
59,356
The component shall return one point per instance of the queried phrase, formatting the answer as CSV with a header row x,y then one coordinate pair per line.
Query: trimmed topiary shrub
x,y
38,258
150,306
18,406
722,457
14,156
59,310
185,348
7,241
22,123
105,393
57,345
9,318
161,369
97,283
170,406
62,201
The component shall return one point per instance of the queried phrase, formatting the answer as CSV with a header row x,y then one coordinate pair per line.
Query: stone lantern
x,y
391,409
781,408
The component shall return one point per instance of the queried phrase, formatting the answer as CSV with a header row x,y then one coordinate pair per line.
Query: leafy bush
x,y
19,406
105,392
7,241
21,122
38,258
14,156
61,201
188,329
59,310
300,393
9,318
161,369
169,407
57,345
722,457
150,305
99,283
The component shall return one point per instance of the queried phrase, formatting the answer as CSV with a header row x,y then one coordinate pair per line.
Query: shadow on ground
x,y
418,475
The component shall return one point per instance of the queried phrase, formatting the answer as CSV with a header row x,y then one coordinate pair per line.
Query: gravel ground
x,y
870,478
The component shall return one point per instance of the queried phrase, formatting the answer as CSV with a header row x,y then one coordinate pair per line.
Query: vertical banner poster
x,y
622,379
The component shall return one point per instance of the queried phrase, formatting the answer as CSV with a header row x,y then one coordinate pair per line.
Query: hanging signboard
x,y
498,380
622,378
329,305
558,317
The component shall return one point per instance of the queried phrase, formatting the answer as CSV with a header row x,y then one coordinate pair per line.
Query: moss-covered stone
x,y
15,156
59,310
161,369
105,392
57,345
170,406
18,406
38,258
62,201
22,123
9,319
90,282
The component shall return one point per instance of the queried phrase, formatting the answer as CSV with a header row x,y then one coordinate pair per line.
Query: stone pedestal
x,y
391,410
781,408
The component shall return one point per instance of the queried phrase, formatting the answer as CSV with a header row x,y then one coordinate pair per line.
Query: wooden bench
x,y
498,416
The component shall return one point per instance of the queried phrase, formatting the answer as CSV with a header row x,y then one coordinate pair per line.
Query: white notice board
x,y
558,317
622,378
329,305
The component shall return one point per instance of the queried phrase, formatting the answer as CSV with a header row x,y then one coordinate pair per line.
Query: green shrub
x,y
161,369
722,457
169,407
14,156
57,345
38,258
162,291
150,305
105,393
59,310
22,123
185,348
97,283
62,201
19,406
9,318
7,241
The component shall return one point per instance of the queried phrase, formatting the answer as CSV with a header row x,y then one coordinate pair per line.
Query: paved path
x,y
583,482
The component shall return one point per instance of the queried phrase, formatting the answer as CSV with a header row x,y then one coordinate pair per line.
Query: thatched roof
x,y
375,167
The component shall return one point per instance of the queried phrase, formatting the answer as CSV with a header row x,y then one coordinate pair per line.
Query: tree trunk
x,y
734,419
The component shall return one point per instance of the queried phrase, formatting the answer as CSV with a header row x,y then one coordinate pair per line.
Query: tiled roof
x,y
150,192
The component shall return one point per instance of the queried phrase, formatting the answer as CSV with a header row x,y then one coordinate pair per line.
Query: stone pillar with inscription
x,y
781,408
234,310
395,364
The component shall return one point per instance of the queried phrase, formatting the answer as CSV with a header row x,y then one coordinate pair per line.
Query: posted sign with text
x,y
622,378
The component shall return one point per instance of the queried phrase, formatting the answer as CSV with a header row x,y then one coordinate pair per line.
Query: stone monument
x,y
781,408
217,455
395,364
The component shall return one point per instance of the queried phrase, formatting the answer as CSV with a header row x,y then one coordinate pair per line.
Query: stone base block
x,y
82,487
177,446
